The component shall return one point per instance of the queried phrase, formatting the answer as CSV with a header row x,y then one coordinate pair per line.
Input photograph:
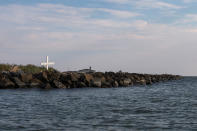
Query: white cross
x,y
47,63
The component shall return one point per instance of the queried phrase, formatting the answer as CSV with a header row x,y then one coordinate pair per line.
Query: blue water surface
x,y
162,106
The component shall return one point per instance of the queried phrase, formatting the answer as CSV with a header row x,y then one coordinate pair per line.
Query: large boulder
x,y
136,77
154,79
148,80
143,82
140,82
47,86
74,77
58,84
64,78
18,82
121,83
26,77
53,76
6,83
81,84
96,82
106,84
88,79
42,76
36,83
127,82
115,84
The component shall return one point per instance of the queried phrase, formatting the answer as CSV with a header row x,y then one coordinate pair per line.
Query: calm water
x,y
162,106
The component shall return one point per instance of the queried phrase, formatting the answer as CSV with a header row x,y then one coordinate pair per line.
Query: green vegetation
x,y
5,67
25,68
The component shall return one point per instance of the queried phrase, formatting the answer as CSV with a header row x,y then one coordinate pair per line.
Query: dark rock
x,y
81,84
26,77
58,84
18,82
148,80
42,76
64,78
53,76
6,83
77,80
121,83
106,84
36,83
47,86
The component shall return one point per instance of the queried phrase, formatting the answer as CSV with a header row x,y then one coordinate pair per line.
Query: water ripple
x,y
162,106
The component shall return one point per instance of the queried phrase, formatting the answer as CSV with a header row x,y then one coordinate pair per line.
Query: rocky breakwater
x,y
49,80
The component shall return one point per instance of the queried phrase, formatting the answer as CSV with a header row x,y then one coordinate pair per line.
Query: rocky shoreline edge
x,y
48,80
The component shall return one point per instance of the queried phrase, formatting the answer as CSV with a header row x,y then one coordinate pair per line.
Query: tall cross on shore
x,y
47,63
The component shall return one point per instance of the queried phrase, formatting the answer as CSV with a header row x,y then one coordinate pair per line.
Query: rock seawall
x,y
49,80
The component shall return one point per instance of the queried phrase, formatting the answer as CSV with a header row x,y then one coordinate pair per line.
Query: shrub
x,y
25,68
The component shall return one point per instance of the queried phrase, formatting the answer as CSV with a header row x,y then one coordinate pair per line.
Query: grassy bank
x,y
25,68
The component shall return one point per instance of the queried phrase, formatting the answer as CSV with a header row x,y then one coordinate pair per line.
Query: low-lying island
x,y
54,79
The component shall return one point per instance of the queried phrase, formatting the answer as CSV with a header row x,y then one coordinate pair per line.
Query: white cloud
x,y
133,45
188,1
118,1
166,5
62,15
118,13
148,4
188,19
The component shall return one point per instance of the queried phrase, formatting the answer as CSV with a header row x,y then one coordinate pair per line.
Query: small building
x,y
87,70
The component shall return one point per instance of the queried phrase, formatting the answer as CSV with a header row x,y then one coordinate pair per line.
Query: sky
x,y
141,36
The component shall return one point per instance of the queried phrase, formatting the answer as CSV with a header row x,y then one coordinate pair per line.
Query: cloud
x,y
118,1
118,13
166,5
77,36
189,1
187,19
148,4
190,18
62,15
